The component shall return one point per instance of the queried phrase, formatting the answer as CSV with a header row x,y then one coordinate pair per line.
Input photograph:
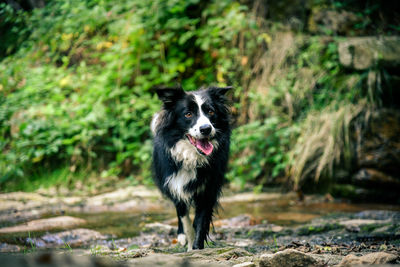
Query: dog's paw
x,y
182,239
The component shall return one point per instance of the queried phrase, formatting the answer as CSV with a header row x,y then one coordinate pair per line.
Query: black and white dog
x,y
191,147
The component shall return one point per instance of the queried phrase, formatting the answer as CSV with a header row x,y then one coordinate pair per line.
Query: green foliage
x,y
14,29
78,92
76,79
259,150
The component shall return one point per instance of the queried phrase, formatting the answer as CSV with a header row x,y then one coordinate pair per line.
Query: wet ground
x,y
137,223
284,211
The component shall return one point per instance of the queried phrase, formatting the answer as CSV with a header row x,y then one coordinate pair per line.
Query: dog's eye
x,y
188,114
210,112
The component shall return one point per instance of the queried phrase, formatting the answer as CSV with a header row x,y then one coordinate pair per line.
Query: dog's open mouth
x,y
204,146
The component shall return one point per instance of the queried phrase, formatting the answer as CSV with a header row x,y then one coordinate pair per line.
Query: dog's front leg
x,y
185,228
201,225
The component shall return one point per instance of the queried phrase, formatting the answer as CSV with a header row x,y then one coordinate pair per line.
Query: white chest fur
x,y
185,153
177,182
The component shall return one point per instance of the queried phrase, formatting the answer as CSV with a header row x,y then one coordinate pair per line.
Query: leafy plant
x,y
76,81
259,150
77,93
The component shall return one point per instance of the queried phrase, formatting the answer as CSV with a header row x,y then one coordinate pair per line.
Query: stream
x,y
138,221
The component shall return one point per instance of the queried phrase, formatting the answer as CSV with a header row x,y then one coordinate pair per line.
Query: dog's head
x,y
198,116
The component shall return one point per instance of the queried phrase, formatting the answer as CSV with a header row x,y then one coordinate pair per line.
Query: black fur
x,y
171,127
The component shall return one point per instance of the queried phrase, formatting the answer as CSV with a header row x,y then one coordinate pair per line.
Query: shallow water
x,y
290,213
283,211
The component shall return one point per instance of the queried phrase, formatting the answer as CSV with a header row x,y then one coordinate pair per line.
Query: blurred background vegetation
x,y
315,106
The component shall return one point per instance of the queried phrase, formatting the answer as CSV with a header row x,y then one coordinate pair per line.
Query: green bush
x,y
259,151
77,92
76,79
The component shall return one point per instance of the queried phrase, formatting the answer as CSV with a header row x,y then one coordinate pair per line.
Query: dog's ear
x,y
219,92
169,95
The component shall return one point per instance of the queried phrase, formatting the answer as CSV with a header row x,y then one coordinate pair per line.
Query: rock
x,y
61,222
359,222
327,21
132,198
238,221
224,252
378,144
7,248
23,197
53,259
16,216
228,255
245,264
328,259
371,258
123,194
291,216
378,215
147,240
377,152
71,238
311,229
287,258
121,253
234,253
158,259
251,197
362,53
362,225
245,243
160,228
372,177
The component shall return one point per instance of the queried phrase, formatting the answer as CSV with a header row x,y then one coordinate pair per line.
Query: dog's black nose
x,y
205,129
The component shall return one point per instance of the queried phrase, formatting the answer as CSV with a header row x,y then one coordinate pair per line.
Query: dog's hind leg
x,y
185,228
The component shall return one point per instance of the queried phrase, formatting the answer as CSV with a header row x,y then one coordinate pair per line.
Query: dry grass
x,y
325,142
270,67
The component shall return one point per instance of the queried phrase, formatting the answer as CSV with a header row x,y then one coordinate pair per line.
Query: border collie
x,y
191,147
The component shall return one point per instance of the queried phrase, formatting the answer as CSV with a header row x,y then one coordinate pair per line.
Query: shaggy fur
x,y
191,146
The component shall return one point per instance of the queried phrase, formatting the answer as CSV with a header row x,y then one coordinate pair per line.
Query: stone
x,y
378,215
123,194
362,53
60,222
377,153
359,222
23,197
228,255
160,228
161,259
245,264
371,258
245,243
251,197
53,259
72,238
327,21
7,248
369,176
328,259
238,221
287,258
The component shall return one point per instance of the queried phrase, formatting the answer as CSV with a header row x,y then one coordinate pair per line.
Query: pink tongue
x,y
205,146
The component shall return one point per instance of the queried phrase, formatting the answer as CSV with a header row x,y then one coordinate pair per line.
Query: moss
x,y
316,229
370,227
